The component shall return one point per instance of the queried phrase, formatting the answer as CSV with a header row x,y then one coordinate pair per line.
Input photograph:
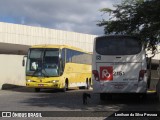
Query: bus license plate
x,y
119,86
40,85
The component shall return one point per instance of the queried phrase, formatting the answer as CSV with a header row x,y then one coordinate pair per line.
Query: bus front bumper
x,y
44,85
121,87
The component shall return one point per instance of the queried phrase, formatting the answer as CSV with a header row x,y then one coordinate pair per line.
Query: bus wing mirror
x,y
23,61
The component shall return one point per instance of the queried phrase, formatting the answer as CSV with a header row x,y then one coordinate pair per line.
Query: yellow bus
x,y
58,67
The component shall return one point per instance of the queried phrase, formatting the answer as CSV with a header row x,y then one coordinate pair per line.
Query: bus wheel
x,y
102,96
37,89
65,86
87,84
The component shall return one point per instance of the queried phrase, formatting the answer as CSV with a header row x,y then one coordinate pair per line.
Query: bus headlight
x,y
55,81
29,80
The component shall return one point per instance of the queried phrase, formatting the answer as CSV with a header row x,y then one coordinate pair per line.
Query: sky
x,y
70,15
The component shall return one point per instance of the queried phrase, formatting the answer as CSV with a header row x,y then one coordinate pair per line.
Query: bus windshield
x,y
43,62
117,45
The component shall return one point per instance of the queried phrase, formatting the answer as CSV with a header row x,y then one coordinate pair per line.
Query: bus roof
x,y
57,46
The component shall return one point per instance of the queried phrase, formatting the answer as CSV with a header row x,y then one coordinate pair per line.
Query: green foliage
x,y
135,17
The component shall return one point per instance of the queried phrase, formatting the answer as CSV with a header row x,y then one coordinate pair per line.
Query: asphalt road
x,y
25,99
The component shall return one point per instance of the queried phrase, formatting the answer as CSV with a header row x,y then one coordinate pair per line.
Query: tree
x,y
135,17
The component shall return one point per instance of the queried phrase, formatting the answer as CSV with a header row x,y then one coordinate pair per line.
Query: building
x,y
16,39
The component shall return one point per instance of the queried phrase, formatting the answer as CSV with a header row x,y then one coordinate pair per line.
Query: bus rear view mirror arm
x,y
23,61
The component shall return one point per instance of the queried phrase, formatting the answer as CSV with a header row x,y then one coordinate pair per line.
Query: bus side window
x,y
68,55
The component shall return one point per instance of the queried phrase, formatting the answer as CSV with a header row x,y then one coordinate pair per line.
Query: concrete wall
x,y
29,35
11,71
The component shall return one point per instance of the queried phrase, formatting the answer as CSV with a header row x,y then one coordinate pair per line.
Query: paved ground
x,y
25,99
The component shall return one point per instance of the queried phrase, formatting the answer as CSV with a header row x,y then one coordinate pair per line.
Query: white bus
x,y
119,66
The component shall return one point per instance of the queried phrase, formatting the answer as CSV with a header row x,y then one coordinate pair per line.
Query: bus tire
x,y
88,84
65,86
37,89
102,96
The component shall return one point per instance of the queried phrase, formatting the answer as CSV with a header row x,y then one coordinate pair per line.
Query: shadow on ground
x,y
72,100
10,86
137,106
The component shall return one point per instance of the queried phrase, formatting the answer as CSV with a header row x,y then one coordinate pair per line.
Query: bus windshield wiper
x,y
36,71
46,73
